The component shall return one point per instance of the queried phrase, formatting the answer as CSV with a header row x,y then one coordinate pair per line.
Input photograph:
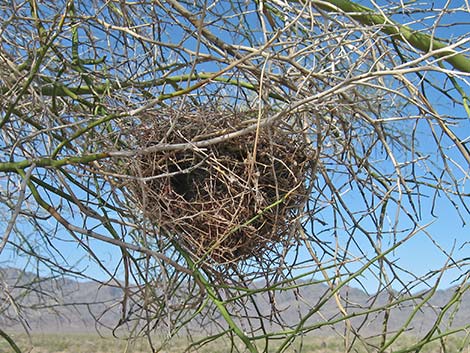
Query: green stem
x,y
81,132
463,94
300,326
418,40
218,303
50,162
59,90
10,341
456,298
40,55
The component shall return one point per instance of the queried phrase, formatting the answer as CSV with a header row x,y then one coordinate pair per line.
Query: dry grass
x,y
86,343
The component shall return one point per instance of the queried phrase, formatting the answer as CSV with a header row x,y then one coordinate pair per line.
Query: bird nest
x,y
227,200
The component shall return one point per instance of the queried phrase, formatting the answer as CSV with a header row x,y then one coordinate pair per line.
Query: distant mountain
x,y
52,304
61,304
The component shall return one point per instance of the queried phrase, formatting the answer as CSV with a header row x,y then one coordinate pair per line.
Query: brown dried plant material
x,y
225,202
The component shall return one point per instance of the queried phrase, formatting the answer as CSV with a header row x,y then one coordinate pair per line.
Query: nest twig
x,y
229,201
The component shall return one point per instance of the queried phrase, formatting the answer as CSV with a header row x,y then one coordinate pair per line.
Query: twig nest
x,y
229,200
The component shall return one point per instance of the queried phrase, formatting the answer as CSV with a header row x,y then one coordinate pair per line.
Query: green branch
x,y
418,40
59,90
220,304
10,341
50,162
